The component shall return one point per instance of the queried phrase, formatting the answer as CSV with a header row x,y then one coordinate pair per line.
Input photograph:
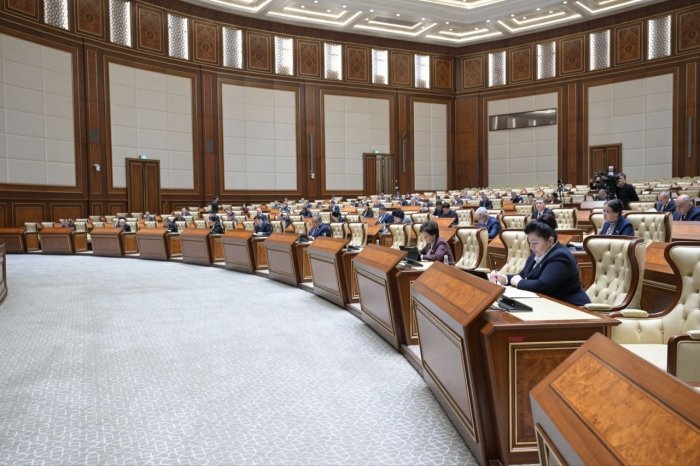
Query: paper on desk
x,y
515,293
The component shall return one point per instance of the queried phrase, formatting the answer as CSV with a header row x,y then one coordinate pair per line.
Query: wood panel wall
x,y
458,78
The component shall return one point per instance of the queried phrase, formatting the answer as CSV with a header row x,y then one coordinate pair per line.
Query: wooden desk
x,y
80,242
445,222
107,242
129,241
3,273
302,259
153,244
259,252
644,417
238,250
195,246
175,244
217,247
686,231
497,253
349,276
14,240
375,268
281,258
31,240
450,235
659,286
56,240
325,258
405,277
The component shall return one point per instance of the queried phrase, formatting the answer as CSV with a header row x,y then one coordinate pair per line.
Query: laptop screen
x,y
413,252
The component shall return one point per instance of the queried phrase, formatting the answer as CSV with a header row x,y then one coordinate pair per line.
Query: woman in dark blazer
x,y
615,224
435,248
551,268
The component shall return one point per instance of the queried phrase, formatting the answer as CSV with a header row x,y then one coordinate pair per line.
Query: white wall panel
x,y
430,146
637,114
353,126
523,156
151,114
37,130
260,146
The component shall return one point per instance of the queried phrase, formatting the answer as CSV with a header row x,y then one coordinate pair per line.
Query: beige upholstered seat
x,y
647,197
300,228
150,224
517,250
398,235
419,217
31,227
249,225
277,226
415,229
651,226
137,215
189,220
649,334
497,203
597,221
80,227
200,224
352,218
134,226
95,218
98,224
642,206
47,224
566,218
618,271
495,213
475,242
325,217
240,219
121,214
338,230
110,219
229,225
358,234
464,217
523,209
514,221
577,198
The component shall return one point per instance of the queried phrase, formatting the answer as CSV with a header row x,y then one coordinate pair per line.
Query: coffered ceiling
x,y
445,22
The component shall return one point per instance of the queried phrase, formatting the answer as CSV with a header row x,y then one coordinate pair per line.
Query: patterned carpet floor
x,y
127,361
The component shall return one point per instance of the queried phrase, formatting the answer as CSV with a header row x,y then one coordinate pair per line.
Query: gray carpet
x,y
117,361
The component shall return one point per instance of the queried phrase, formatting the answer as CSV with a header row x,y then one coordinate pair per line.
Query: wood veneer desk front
x,y
153,244
238,250
685,231
107,242
3,273
57,240
481,363
14,239
645,416
325,260
196,248
282,261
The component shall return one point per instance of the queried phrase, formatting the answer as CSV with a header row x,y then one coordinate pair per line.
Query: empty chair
x,y
150,224
325,217
300,228
200,224
669,339
618,272
98,224
415,229
111,219
513,221
566,218
122,214
240,219
137,215
358,234
523,209
31,227
475,242
95,218
464,217
337,229
419,217
517,250
577,198
351,218
229,225
642,206
497,203
80,227
651,226
277,226
398,235
249,225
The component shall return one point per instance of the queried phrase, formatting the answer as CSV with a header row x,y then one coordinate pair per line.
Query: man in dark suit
x,y
121,223
216,226
262,225
384,217
539,210
319,229
665,203
685,210
485,202
444,211
215,206
483,219
626,192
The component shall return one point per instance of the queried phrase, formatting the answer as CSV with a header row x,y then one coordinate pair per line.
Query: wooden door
x,y
601,157
143,185
379,171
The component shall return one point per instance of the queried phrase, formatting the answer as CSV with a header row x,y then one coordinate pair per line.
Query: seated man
x,y
398,216
483,219
148,217
485,202
170,225
319,229
384,217
216,226
445,211
685,210
121,223
336,217
515,198
539,210
665,203
262,225
602,195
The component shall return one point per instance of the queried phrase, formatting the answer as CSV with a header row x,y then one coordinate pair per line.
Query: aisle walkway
x,y
107,360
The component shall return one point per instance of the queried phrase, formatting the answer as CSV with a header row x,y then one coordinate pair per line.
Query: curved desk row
x,y
3,273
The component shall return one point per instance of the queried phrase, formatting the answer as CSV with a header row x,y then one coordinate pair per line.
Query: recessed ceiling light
x,y
451,29
488,20
524,17
538,9
476,29
315,1
422,19
328,11
447,22
366,19
551,11
371,11
345,6
398,14
565,2
302,7
512,15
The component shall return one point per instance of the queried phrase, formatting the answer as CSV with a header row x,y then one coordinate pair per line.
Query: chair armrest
x,y
600,307
683,356
693,334
482,269
632,313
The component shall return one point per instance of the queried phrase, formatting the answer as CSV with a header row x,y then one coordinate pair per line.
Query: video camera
x,y
606,181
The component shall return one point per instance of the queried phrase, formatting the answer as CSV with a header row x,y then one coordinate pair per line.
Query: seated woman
x,y
615,223
435,248
367,212
551,268
305,212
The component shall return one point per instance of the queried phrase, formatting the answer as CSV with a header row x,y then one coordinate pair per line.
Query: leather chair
x,y
566,218
358,234
134,226
325,217
80,227
597,221
618,272
31,227
47,224
415,230
398,235
513,221
98,224
642,206
200,224
277,226
338,230
578,198
523,209
651,226
497,203
419,217
464,217
229,225
110,219
240,219
300,228
137,215
655,337
150,224
249,225
475,242
352,218
517,250
95,218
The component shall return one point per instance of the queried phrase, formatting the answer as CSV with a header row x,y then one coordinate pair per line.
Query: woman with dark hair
x,y
551,268
305,212
367,212
615,223
435,248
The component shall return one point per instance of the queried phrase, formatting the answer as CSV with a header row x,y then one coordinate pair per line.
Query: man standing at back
x,y
626,192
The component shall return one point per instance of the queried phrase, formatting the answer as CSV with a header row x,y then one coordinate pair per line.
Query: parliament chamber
x,y
323,151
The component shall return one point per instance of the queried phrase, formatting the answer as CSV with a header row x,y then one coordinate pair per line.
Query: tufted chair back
x,y
150,224
98,224
134,226
300,228
358,234
684,316
415,228
200,224
296,218
618,271
277,226
47,224
137,215
249,225
352,218
517,250
597,221
523,209
497,203
95,218
577,198
240,218
81,227
464,217
110,219
419,217
651,226
31,227
566,218
398,235
642,206
475,242
514,221
338,230
325,217
229,225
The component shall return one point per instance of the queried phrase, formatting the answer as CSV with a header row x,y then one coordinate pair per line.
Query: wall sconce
x,y
97,167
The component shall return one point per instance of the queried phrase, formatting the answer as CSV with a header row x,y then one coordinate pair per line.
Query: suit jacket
x,y
437,250
693,215
626,194
217,229
556,276
264,227
622,227
368,213
536,213
670,207
487,203
322,230
386,218
492,225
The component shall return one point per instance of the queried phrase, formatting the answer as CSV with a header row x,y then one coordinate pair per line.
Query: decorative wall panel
x,y
628,44
309,58
90,17
442,73
430,146
28,213
357,64
26,7
150,29
571,51
401,69
688,30
473,72
259,51
206,42
521,64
